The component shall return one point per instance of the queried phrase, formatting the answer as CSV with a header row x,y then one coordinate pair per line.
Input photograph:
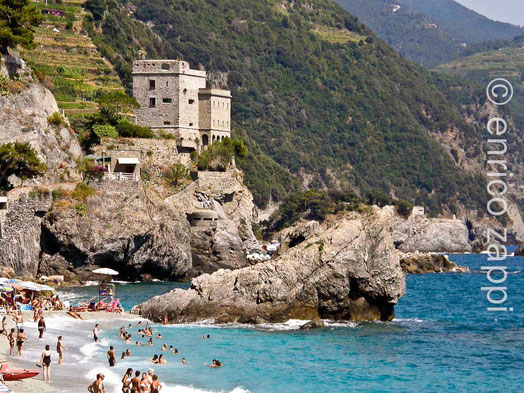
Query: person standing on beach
x,y
126,381
155,385
111,356
41,327
19,320
4,325
11,338
60,348
20,339
98,385
135,383
45,362
96,331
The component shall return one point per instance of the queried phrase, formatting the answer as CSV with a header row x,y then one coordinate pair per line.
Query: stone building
x,y
177,100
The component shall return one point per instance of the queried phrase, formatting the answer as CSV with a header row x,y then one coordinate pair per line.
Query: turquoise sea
x,y
442,340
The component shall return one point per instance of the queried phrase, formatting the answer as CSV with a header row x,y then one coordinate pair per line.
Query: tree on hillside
x,y
19,159
17,19
174,173
114,104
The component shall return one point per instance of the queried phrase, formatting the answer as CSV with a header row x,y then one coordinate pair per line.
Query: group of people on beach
x,y
18,337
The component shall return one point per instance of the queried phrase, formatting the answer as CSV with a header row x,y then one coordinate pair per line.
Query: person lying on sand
x,y
73,313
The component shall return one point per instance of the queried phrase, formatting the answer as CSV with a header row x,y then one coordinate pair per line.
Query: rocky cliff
x,y
121,227
24,112
419,233
225,244
346,270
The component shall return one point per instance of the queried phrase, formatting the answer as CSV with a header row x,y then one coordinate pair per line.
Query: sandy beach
x,y
36,385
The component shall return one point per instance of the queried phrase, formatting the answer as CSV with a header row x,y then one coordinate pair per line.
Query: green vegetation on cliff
x,y
339,113
66,61
430,32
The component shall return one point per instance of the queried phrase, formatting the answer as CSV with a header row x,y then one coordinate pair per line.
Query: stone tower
x,y
174,98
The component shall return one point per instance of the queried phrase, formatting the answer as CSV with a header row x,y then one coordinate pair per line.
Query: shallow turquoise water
x,y
442,340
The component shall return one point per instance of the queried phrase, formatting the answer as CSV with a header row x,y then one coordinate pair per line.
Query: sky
x,y
511,11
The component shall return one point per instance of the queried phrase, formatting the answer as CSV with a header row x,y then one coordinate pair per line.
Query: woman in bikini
x,y
126,381
11,338
145,384
45,362
60,348
4,325
155,386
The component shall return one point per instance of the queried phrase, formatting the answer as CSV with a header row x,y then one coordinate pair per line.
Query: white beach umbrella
x,y
106,271
30,286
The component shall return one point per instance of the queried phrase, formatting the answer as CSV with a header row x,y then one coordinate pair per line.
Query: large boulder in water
x,y
347,270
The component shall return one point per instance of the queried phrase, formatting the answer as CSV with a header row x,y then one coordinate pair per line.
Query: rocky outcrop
x,y
419,233
226,244
121,228
419,263
520,251
290,237
23,118
347,270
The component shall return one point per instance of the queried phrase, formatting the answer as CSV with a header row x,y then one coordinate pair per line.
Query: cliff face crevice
x,y
347,270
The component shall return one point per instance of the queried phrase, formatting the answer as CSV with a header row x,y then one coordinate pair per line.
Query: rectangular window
x,y
152,102
191,102
167,100
165,66
167,123
213,122
152,84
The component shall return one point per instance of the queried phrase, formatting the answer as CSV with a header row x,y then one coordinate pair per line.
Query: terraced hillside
x,y
75,70
506,62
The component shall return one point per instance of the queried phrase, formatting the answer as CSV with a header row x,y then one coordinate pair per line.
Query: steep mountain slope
x,y
412,34
314,89
504,62
464,24
427,33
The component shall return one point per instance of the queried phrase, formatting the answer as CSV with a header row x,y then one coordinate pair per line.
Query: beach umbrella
x,y
46,288
106,271
30,286
6,288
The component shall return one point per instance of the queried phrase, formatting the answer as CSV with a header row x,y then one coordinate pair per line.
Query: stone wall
x,y
215,182
154,154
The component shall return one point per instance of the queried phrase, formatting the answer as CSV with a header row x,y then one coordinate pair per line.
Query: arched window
x,y
205,140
